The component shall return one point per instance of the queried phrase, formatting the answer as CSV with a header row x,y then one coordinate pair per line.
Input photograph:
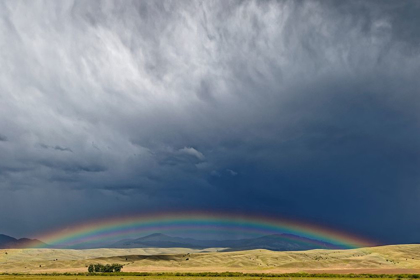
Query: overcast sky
x,y
303,109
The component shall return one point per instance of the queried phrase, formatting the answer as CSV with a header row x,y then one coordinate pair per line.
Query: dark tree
x,y
97,267
115,267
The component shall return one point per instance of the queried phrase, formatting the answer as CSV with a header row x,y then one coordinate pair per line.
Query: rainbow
x,y
123,227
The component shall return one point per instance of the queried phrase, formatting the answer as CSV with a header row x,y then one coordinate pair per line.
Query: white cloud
x,y
192,152
231,172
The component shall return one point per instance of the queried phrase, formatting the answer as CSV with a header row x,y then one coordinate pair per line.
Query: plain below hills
x,y
383,259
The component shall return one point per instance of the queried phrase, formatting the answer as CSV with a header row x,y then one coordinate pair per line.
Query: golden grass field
x,y
384,259
78,277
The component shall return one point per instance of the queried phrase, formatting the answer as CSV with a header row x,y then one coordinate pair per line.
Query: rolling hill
x,y
383,259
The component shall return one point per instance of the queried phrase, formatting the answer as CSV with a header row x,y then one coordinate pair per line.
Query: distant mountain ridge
x,y
8,242
275,242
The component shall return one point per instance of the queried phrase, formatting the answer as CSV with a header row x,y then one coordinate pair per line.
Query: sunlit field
x,y
395,259
125,277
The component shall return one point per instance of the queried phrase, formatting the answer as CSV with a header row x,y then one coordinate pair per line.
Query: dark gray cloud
x,y
308,109
57,148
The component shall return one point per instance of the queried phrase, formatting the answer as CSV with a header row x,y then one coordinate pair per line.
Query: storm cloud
x,y
303,109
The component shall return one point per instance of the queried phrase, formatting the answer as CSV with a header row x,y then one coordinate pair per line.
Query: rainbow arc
x,y
123,227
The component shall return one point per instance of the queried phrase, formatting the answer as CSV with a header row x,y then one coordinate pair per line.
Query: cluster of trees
x,y
115,267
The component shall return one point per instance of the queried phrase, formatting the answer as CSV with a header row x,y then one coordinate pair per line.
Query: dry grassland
x,y
385,259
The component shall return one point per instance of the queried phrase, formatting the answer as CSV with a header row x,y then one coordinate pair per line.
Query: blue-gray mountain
x,y
276,242
8,242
